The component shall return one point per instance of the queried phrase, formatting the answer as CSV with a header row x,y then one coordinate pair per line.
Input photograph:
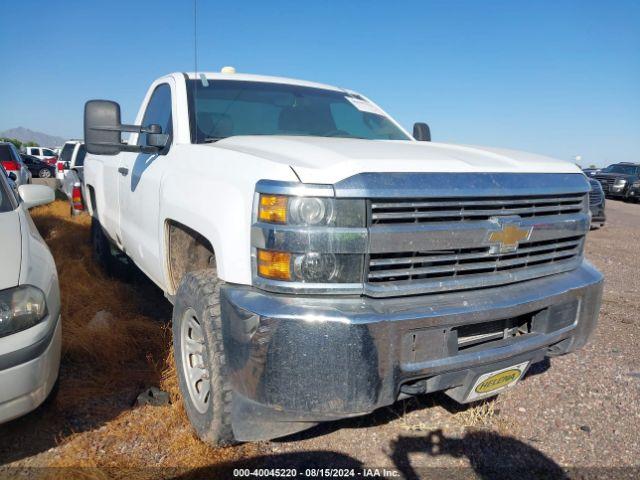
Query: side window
x,y
159,112
16,154
48,153
82,151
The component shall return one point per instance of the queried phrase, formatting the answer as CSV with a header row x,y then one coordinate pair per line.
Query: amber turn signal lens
x,y
276,265
273,209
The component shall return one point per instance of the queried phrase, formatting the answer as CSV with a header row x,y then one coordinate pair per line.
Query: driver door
x,y
140,178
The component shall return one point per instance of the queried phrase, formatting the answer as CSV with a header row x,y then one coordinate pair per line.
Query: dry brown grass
x,y
481,414
106,365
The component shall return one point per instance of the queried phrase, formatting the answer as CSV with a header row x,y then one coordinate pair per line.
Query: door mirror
x,y
102,132
35,195
155,137
421,132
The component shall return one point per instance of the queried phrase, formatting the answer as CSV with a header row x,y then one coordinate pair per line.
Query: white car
x,y
45,154
323,261
30,335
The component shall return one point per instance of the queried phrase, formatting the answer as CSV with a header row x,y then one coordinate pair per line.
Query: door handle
x,y
123,171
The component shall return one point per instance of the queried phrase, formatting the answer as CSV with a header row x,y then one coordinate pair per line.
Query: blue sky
x,y
555,77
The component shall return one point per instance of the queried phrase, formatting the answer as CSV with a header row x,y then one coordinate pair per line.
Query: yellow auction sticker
x,y
498,380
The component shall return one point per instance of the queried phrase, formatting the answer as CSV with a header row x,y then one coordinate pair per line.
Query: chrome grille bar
x,y
473,203
483,253
439,210
489,265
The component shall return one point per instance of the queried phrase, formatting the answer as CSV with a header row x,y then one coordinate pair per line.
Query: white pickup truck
x,y
322,261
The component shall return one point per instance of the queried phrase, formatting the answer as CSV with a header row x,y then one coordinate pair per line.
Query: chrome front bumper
x,y
297,360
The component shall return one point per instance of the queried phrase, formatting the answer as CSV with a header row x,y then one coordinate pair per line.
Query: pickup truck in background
x,y
67,157
323,262
71,176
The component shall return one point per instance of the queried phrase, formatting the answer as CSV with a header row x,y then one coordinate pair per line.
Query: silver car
x,y
12,162
30,335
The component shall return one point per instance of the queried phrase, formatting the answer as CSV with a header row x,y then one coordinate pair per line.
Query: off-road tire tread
x,y
204,286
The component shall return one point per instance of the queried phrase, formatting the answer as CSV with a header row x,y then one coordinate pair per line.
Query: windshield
x,y
624,169
67,150
225,108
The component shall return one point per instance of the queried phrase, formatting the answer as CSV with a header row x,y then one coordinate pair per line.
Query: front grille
x,y
463,209
595,197
606,182
433,245
478,336
436,265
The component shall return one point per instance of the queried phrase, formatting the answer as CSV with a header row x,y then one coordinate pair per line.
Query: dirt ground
x,y
579,411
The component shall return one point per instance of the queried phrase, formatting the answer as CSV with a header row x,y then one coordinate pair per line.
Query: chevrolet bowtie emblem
x,y
506,239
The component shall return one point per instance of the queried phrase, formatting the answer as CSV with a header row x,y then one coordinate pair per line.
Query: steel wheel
x,y
44,173
194,367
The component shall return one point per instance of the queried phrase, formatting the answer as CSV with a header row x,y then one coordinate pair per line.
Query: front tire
x,y
200,358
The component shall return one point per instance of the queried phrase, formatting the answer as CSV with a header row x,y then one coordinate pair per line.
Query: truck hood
x,y
329,160
11,245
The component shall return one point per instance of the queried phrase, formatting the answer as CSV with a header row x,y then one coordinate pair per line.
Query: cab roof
x,y
247,77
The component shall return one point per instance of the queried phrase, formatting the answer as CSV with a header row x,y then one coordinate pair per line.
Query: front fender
x,y
212,192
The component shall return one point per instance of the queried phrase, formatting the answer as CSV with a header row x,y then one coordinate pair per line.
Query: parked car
x,y
13,164
47,155
634,191
322,261
73,169
66,155
597,204
37,167
29,304
616,179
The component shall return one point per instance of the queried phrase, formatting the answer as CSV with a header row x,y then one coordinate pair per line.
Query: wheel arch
x,y
185,250
91,199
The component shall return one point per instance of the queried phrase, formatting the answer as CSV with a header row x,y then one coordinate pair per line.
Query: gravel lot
x,y
581,410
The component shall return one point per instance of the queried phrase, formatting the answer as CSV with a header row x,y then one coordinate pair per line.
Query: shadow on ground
x,y
490,456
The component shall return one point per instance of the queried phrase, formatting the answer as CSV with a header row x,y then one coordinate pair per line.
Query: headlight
x,y
304,239
636,184
311,211
311,267
620,182
21,308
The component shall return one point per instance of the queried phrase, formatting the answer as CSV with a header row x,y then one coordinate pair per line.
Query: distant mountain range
x,y
26,135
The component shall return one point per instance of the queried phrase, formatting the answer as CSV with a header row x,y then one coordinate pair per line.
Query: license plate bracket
x,y
496,381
